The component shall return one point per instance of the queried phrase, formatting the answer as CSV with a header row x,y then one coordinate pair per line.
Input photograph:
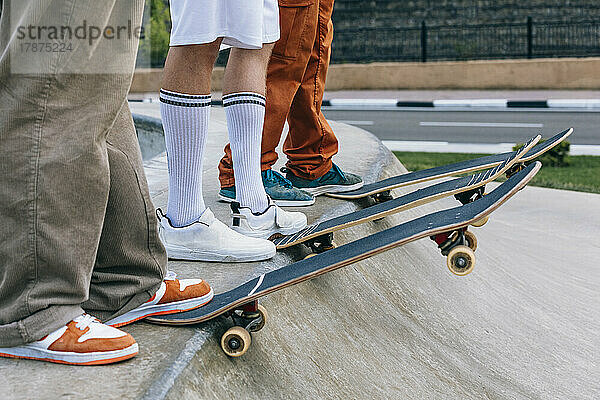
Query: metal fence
x,y
467,42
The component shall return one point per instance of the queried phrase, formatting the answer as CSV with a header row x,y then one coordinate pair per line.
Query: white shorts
x,y
245,24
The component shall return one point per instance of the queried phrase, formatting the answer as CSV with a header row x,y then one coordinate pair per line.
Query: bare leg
x,y
188,69
185,109
244,101
247,70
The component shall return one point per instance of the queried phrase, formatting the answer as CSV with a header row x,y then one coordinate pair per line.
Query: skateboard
x,y
380,191
241,303
319,237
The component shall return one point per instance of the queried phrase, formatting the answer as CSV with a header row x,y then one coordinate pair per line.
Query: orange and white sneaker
x,y
83,341
173,296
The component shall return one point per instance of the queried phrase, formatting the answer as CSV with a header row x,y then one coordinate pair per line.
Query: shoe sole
x,y
269,234
318,191
71,358
281,203
184,253
161,309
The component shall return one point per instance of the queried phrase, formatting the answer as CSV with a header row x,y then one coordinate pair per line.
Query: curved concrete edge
x,y
150,135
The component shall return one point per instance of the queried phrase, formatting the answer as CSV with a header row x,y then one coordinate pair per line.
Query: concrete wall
x,y
563,73
501,74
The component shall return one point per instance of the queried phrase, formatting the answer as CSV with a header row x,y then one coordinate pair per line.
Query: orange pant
x,y
295,85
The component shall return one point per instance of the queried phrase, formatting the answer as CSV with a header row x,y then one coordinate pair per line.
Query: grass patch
x,y
582,174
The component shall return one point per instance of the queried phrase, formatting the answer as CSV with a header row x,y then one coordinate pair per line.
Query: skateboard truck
x,y
448,240
382,197
249,317
520,166
470,195
459,247
515,169
321,243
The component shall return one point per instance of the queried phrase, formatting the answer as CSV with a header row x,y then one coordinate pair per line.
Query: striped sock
x,y
185,120
245,114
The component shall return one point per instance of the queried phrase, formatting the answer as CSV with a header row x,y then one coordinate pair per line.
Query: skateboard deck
x,y
466,189
241,303
477,164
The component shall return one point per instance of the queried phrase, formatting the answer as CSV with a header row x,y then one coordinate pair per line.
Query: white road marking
x,y
260,281
574,103
584,150
363,123
445,147
474,110
481,124
490,103
363,102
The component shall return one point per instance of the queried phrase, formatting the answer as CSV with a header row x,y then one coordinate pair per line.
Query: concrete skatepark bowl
x,y
524,324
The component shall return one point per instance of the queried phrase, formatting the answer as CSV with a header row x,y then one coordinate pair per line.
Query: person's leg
x,y
130,281
244,103
185,110
189,230
254,213
53,128
127,281
57,111
284,75
311,143
131,261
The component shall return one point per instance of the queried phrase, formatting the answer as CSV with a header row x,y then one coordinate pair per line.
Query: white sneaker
x,y
83,341
209,239
271,222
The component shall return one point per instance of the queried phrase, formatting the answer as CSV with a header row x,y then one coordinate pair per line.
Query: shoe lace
x,y
277,178
338,171
170,276
84,321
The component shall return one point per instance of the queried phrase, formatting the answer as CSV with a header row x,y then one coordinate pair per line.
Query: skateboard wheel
x,y
471,240
461,260
236,341
264,318
481,222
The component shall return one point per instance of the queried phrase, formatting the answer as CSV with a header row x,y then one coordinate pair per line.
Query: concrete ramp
x,y
524,324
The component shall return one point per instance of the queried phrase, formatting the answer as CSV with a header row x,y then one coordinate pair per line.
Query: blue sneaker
x,y
335,181
278,188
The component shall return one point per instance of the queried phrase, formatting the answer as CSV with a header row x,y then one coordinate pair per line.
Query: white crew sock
x,y
245,114
185,120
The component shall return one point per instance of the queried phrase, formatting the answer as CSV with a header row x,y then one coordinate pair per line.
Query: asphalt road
x,y
470,126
